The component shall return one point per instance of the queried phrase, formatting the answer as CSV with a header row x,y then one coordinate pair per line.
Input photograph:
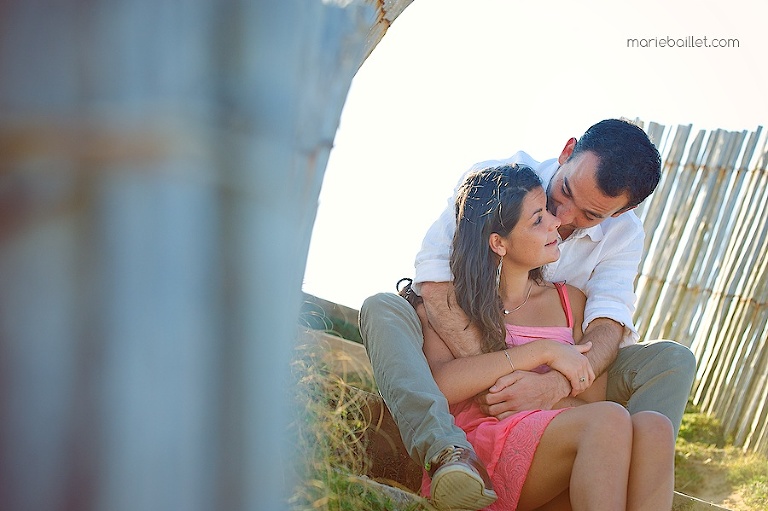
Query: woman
x,y
594,456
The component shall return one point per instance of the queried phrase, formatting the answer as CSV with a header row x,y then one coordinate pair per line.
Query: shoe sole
x,y
460,489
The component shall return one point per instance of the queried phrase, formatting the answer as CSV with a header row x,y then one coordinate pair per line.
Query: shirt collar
x,y
595,233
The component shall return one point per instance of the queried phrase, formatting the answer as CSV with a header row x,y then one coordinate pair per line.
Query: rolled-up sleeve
x,y
610,288
433,260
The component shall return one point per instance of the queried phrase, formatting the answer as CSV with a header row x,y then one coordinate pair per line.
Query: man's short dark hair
x,y
629,162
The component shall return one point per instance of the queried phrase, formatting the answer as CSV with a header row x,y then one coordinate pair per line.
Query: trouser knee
x,y
679,359
668,358
656,376
383,314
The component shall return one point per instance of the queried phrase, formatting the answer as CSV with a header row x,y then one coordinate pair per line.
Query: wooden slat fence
x,y
703,280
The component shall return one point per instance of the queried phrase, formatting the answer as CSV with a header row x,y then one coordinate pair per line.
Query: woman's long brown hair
x,y
489,201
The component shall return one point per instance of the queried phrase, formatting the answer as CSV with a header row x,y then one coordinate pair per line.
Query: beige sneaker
x,y
459,481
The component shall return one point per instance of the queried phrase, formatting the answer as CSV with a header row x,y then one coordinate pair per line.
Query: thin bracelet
x,y
509,359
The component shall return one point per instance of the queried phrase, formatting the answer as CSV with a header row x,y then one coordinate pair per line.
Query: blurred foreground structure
x,y
160,168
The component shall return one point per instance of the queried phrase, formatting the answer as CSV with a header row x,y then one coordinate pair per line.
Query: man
x,y
592,188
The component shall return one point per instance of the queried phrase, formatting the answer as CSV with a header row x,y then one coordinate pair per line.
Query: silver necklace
x,y
530,287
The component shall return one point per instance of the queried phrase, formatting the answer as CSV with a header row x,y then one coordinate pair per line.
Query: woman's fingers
x,y
583,380
583,348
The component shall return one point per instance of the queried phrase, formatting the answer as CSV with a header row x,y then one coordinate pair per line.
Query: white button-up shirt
x,y
602,260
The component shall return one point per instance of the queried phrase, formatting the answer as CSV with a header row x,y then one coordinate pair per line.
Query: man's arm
x,y
449,320
610,286
606,336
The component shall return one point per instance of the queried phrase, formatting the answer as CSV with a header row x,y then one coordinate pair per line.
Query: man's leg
x,y
655,375
391,332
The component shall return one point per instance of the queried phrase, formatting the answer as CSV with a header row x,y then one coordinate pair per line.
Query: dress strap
x,y
565,301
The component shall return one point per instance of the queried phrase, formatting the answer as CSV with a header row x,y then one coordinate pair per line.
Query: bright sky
x,y
456,82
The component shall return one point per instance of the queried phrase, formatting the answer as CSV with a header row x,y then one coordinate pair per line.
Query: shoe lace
x,y
447,455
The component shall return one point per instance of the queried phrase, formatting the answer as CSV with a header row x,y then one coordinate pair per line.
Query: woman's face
x,y
533,241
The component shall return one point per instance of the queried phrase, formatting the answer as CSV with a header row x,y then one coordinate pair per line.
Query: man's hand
x,y
524,390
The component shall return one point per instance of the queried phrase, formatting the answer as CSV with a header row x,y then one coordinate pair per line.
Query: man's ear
x,y
624,210
567,151
496,243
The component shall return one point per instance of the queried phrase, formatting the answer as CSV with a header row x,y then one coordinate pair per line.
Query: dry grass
x,y
330,429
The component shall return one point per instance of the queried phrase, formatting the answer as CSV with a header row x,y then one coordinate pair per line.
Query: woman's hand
x,y
571,363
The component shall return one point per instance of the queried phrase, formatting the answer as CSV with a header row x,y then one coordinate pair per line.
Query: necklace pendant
x,y
528,295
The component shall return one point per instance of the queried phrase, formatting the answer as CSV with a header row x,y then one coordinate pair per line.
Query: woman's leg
x,y
652,468
560,503
595,393
585,450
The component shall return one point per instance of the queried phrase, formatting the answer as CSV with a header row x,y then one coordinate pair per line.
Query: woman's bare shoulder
x,y
575,293
578,302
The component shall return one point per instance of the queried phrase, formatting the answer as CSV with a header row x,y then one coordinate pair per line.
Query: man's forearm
x,y
449,320
605,336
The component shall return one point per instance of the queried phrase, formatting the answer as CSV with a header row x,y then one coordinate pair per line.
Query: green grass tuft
x,y
702,428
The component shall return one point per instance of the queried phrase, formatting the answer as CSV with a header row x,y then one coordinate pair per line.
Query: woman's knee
x,y
603,429
652,420
653,426
653,445
614,411
609,418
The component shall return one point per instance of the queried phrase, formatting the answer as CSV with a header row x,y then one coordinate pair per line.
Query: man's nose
x,y
565,213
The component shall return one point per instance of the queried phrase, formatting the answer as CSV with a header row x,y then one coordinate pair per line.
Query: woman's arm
x,y
463,378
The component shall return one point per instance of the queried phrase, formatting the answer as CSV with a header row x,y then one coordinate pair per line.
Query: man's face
x,y
574,198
